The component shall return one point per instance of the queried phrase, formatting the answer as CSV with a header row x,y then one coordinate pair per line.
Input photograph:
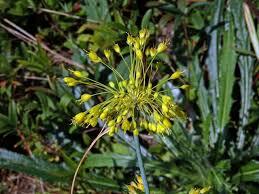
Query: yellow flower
x,y
162,47
136,186
205,190
94,57
139,54
117,48
185,86
153,52
176,74
79,118
130,40
85,98
79,74
107,54
132,104
194,191
199,190
70,81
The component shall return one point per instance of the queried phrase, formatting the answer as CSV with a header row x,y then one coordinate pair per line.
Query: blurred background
x,y
209,40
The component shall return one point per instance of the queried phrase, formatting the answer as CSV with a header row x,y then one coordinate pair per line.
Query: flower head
x,y
134,103
94,57
136,186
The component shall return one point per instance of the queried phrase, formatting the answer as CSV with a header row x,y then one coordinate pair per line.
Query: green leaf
x,y
212,62
109,160
12,113
102,182
226,77
249,172
245,66
35,167
146,19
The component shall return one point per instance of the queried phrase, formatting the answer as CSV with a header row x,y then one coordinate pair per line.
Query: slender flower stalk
x,y
140,164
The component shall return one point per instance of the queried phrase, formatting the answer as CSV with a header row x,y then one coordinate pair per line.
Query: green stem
x,y
140,164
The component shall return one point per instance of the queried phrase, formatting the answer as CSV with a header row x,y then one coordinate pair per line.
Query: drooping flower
x,y
134,103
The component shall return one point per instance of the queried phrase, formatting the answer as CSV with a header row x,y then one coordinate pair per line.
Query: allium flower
x,y
136,186
133,103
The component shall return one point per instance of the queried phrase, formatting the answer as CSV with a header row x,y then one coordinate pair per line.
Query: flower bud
x,y
94,57
85,98
139,54
176,74
130,40
161,47
117,48
70,81
153,52
167,123
135,132
111,84
125,125
79,118
185,86
164,108
107,54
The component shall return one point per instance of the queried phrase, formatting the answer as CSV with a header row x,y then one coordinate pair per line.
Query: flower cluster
x,y
200,190
136,186
132,103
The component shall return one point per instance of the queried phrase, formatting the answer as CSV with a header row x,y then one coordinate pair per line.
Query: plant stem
x,y
140,164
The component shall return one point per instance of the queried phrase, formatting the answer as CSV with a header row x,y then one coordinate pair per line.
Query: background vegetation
x,y
218,146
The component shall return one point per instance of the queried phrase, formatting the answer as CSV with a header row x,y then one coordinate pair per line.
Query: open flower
x,y
133,103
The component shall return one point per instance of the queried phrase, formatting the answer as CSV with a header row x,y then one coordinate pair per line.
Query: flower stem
x,y
140,164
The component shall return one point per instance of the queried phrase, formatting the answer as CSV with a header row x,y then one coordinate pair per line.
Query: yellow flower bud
x,y
93,122
160,128
167,123
124,83
85,98
111,123
134,124
185,86
157,116
94,109
125,125
164,108
138,75
139,54
119,119
135,132
194,191
111,130
153,127
136,44
79,118
94,57
130,40
103,115
144,33
155,95
176,74
107,54
166,99
162,47
70,81
117,48
111,84
79,74
205,190
153,52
